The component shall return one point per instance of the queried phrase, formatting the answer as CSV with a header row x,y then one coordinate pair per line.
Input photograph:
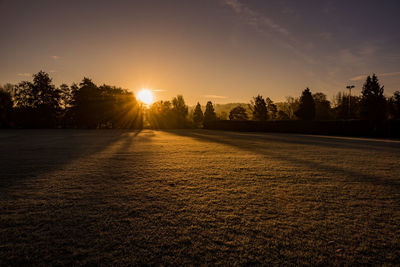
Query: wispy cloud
x,y
364,76
254,18
388,74
358,78
158,90
215,96
55,57
267,26
25,74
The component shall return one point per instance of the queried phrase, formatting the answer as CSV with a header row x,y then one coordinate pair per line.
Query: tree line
x,y
371,105
40,104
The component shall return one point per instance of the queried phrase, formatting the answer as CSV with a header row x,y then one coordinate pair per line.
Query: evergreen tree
x,y
209,114
394,105
373,102
306,110
238,114
198,115
259,108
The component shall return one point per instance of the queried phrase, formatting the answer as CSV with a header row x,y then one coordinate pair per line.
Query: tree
x,y
373,102
282,115
238,114
198,115
322,107
86,106
65,96
160,115
209,114
179,107
394,105
342,106
180,111
6,105
306,110
272,108
259,108
38,101
287,109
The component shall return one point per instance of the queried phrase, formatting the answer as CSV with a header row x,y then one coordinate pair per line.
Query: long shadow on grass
x,y
241,141
26,154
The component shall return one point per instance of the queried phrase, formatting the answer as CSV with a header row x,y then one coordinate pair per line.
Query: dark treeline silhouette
x,y
40,104
371,113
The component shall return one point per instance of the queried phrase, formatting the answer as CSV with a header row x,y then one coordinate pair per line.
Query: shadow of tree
x,y
26,154
257,143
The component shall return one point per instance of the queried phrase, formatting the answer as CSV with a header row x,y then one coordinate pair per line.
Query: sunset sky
x,y
219,50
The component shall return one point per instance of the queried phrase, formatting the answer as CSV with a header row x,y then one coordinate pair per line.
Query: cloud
x,y
358,78
158,90
55,57
364,76
255,19
25,74
388,74
265,25
215,96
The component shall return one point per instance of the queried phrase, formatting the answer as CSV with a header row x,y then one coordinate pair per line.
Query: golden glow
x,y
145,96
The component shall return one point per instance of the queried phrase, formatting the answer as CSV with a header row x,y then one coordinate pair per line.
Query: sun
x,y
145,96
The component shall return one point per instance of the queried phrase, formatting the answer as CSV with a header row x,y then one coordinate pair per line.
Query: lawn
x,y
197,197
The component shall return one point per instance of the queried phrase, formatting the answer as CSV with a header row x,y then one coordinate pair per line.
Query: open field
x,y
197,197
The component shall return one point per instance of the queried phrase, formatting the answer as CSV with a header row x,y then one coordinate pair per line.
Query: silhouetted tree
x,y
287,109
180,110
38,102
306,110
119,108
272,108
160,115
198,115
86,105
6,105
238,114
282,115
209,114
259,109
394,105
373,102
179,107
322,107
342,106
222,115
65,96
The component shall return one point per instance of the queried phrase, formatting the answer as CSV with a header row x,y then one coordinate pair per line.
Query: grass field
x,y
194,197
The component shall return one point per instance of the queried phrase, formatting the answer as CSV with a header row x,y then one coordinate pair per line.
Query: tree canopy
x,y
259,108
209,114
238,114
373,102
306,110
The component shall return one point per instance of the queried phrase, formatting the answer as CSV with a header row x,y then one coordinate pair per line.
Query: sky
x,y
220,50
